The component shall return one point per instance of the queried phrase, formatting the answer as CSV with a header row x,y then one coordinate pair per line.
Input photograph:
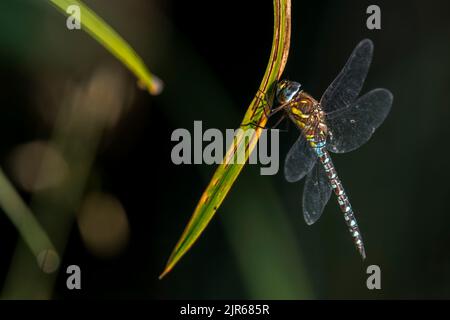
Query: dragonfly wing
x,y
316,193
353,126
299,160
344,90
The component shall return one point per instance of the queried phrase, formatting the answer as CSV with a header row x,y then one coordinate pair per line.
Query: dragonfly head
x,y
286,90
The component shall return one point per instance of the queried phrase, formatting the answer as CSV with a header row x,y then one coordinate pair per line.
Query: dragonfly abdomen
x,y
344,202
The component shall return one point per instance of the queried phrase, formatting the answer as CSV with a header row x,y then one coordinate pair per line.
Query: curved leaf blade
x,y
114,43
227,172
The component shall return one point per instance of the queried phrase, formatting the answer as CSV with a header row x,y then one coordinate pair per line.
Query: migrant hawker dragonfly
x,y
340,122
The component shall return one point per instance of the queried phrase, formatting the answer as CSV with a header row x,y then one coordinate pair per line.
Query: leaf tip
x,y
165,272
155,86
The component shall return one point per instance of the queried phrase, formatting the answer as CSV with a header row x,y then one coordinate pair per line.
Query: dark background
x,y
212,56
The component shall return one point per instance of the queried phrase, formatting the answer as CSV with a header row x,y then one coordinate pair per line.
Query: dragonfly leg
x,y
277,109
278,123
265,102
267,114
271,111
253,123
273,127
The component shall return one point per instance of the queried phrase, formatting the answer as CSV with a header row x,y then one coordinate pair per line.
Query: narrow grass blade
x,y
28,226
227,172
112,41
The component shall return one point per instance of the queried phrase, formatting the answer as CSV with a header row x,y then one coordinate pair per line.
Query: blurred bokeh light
x,y
36,166
103,225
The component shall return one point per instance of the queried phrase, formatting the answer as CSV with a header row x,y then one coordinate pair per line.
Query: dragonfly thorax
x,y
308,115
303,110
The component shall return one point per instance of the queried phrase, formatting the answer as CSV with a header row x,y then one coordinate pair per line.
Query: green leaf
x,y
112,41
227,172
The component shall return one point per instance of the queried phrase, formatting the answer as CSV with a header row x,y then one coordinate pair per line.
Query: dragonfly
x,y
340,122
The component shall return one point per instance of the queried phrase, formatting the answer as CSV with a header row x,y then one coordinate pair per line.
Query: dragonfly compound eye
x,y
287,90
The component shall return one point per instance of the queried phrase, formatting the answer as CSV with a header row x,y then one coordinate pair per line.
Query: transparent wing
x,y
353,126
346,87
316,193
299,160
